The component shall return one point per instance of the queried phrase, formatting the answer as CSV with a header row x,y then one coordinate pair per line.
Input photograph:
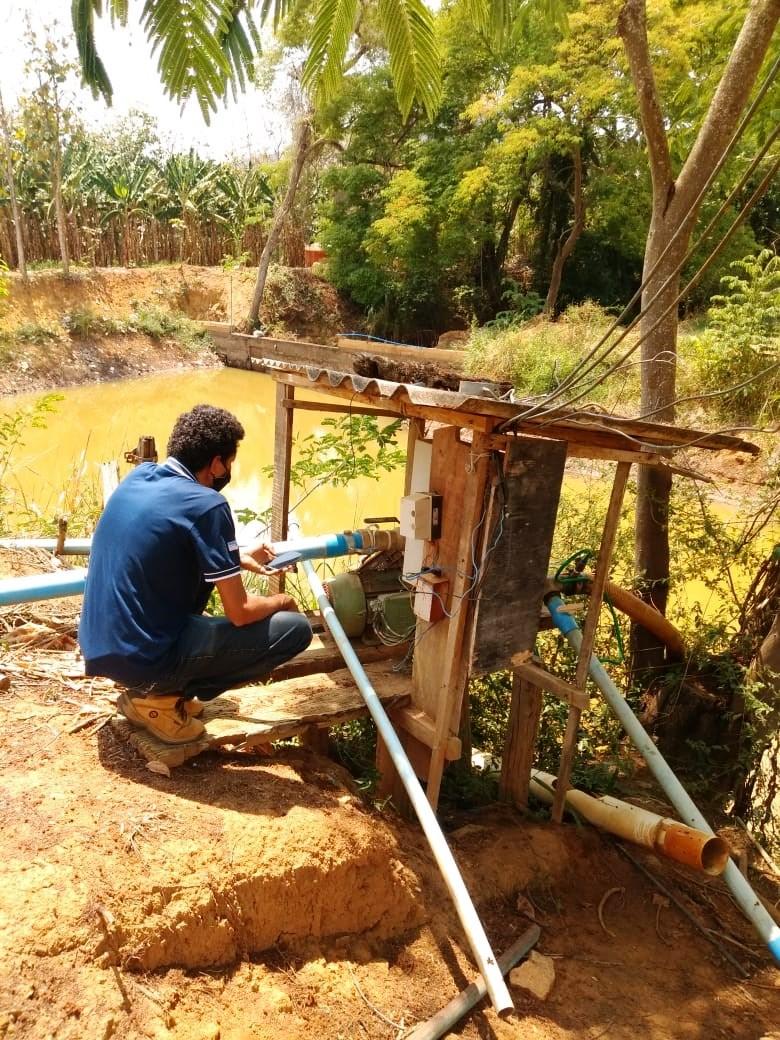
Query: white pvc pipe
x,y
739,886
483,954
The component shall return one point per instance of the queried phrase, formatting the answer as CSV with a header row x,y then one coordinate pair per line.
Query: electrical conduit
x,y
738,885
483,954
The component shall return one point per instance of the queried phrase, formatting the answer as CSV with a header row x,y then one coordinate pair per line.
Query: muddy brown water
x,y
98,422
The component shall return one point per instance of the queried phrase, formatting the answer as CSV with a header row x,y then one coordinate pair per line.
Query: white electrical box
x,y
421,516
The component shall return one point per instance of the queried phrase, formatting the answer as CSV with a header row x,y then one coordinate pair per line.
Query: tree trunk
x,y
675,206
302,151
21,262
566,248
62,226
654,486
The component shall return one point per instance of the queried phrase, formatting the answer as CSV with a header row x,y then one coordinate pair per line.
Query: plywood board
x,y
518,540
253,715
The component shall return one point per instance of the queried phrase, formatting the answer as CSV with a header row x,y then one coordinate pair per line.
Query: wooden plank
x,y
341,409
253,715
518,757
324,656
518,537
404,409
536,676
589,633
454,359
280,495
423,728
416,433
459,474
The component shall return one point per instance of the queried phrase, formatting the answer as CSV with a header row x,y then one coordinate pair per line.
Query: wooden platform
x,y
255,715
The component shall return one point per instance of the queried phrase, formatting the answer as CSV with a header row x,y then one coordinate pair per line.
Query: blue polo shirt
x,y
161,543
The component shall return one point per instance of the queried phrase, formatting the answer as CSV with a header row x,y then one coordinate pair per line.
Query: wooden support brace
x,y
533,673
280,495
341,409
518,756
589,633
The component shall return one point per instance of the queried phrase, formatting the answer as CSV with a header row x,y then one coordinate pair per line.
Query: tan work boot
x,y
164,717
193,706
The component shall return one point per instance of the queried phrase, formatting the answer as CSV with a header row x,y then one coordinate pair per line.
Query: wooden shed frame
x,y
429,725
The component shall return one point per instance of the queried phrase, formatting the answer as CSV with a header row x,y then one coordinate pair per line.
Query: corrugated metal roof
x,y
573,424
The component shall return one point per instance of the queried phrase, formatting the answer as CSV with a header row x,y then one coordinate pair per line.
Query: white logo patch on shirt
x,y
232,546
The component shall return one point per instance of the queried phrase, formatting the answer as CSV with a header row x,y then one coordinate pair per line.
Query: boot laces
x,y
181,710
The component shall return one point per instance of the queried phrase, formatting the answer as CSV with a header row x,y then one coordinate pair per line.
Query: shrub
x,y
538,355
740,347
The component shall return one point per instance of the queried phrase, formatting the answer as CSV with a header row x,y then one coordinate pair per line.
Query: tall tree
x,y
8,162
49,115
675,209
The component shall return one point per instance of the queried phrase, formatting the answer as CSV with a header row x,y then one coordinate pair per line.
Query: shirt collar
x,y
178,467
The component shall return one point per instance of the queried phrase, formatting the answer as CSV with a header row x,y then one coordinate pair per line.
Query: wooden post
x,y
518,754
589,633
441,670
416,433
280,496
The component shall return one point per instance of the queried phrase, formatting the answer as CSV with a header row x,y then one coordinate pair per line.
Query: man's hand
x,y
255,557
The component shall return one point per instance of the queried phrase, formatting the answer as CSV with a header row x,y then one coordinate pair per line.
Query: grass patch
x,y
537,356
144,319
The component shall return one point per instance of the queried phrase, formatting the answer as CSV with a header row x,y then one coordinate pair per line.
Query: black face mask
x,y
223,481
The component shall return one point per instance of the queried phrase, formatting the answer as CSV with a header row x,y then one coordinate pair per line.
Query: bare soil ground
x,y
298,303
249,898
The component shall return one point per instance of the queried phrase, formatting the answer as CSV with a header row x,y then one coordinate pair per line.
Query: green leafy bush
x,y
536,356
740,347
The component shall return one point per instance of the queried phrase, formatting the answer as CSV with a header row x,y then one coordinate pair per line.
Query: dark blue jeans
x,y
212,655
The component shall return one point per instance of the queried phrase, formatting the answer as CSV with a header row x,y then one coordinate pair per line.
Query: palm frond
x,y
82,14
332,31
415,62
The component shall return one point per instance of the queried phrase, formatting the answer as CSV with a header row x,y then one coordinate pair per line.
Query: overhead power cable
x,y
577,373
757,194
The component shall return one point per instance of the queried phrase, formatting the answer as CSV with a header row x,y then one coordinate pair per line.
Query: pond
x,y
100,421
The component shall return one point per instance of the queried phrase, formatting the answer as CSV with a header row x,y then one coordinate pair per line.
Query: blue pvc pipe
x,y
33,587
30,589
317,548
740,887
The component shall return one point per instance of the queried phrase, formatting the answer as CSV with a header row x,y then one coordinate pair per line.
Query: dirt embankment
x,y
50,331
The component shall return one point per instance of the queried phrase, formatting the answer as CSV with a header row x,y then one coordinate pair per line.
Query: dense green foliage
x,y
433,224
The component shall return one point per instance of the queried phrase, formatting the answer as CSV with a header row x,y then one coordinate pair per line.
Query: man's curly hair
x,y
203,433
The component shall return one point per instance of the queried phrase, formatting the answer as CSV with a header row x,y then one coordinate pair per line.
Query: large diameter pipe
x,y
483,954
459,1006
33,587
667,837
738,885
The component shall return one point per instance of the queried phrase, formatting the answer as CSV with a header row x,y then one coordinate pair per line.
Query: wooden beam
x,y
533,674
341,409
280,495
398,406
422,726
446,673
518,757
589,633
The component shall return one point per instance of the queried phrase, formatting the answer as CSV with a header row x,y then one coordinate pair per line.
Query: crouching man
x,y
165,538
